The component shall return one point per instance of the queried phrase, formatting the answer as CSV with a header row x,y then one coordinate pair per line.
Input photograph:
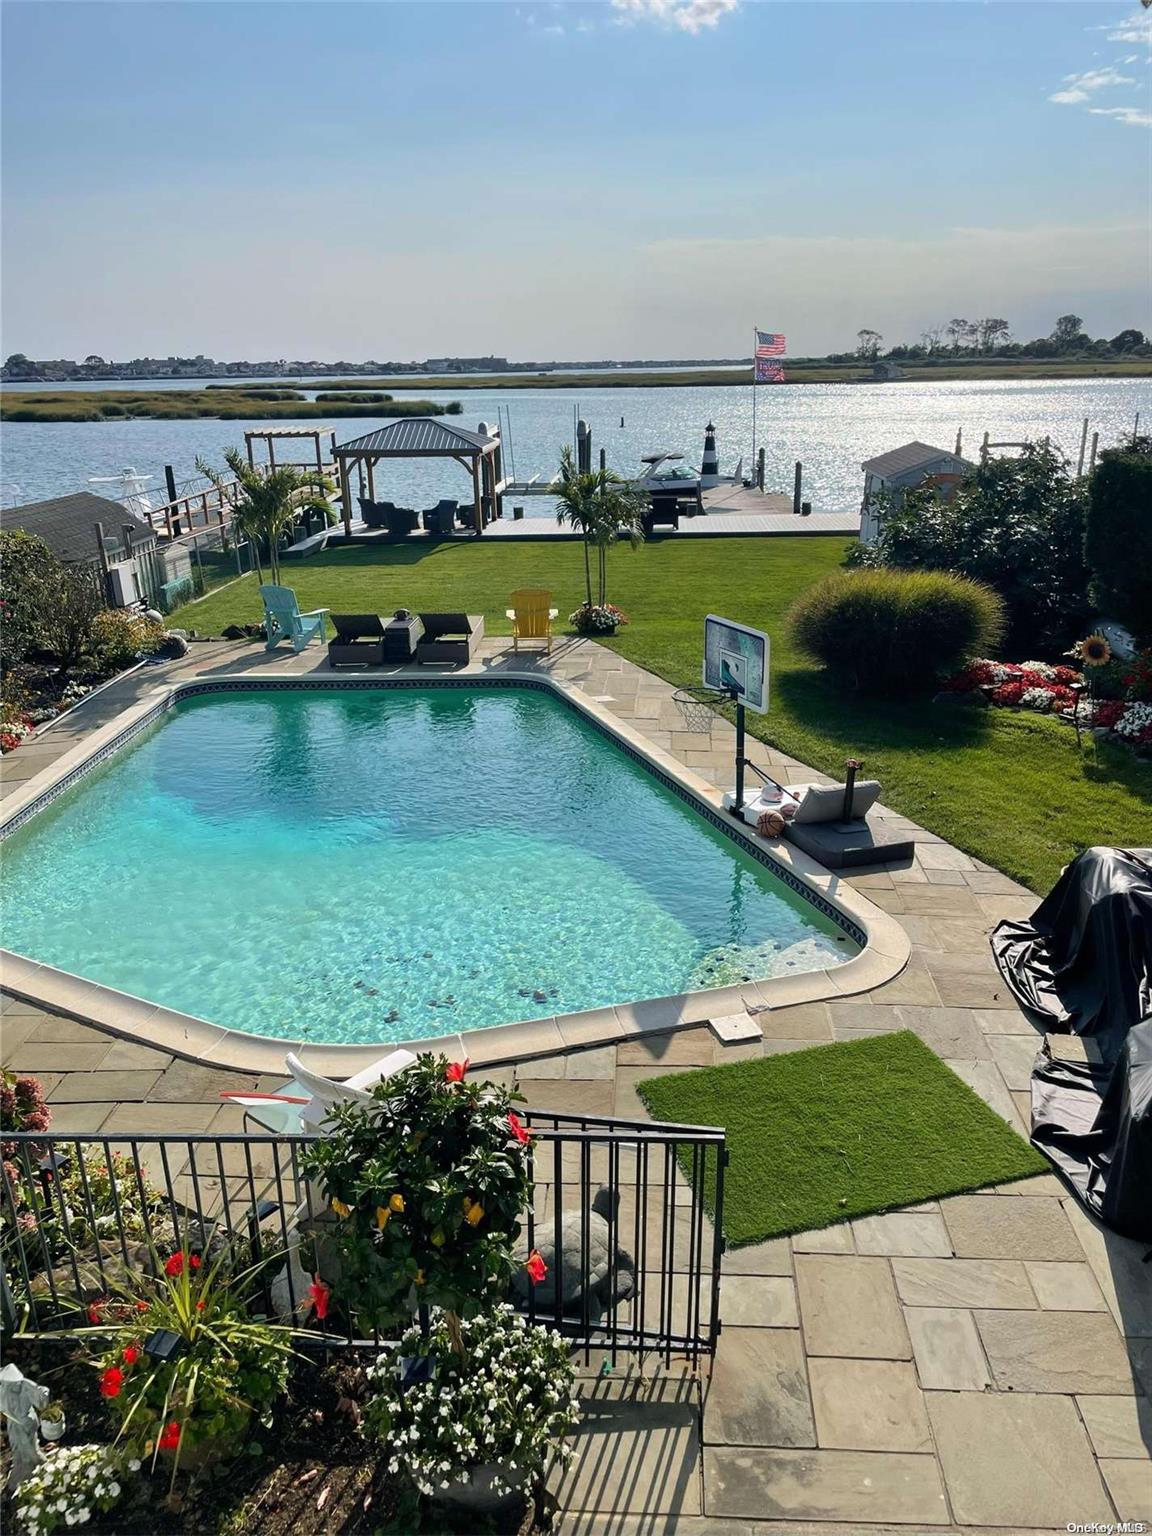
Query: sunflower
x,y
1095,651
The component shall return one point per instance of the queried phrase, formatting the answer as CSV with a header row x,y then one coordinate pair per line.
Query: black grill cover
x,y
1083,965
1083,961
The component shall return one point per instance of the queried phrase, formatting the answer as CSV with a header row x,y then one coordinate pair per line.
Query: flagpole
x,y
753,405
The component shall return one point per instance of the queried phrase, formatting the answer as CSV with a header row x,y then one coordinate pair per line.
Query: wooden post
x,y
797,483
1092,456
1083,447
1136,430
371,480
959,440
102,552
984,449
603,461
248,445
346,498
476,506
170,482
319,460
759,477
271,453
168,520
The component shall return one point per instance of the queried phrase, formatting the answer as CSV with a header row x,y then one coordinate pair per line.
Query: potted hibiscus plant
x,y
425,1188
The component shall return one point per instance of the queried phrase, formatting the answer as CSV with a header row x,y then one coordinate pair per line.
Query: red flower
x,y
141,1306
131,1355
174,1266
518,1128
111,1381
170,1439
456,1070
199,1306
536,1267
96,1312
320,1295
194,1261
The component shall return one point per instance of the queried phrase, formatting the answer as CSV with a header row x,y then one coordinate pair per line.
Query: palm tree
x,y
268,504
603,508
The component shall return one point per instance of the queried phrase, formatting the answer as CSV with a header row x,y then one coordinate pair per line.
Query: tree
x,y
94,360
269,502
603,508
1068,333
868,345
930,338
992,332
1126,341
29,572
958,332
1015,524
1117,541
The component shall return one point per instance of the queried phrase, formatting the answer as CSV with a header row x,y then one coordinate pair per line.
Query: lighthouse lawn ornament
x,y
710,464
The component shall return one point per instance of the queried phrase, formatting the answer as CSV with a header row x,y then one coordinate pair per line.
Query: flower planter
x,y
478,1494
53,1429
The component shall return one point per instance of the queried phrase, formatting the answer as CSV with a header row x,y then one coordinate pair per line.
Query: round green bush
x,y
886,631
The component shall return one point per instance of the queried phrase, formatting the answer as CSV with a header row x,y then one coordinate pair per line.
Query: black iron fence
x,y
626,1214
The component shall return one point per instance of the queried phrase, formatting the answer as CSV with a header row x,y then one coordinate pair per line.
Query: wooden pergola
x,y
479,453
270,436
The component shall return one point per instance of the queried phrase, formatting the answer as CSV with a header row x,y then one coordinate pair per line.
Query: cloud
x,y
1069,98
1097,79
1135,29
1136,117
686,15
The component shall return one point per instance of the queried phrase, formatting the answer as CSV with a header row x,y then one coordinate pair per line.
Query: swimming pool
x,y
343,865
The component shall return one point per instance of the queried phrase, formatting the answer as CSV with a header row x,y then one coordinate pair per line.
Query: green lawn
x,y
1011,789
838,1131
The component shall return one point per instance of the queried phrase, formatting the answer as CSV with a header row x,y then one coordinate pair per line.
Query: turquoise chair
x,y
284,621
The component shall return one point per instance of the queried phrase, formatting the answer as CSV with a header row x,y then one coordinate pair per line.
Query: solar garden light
x,y
162,1344
49,1166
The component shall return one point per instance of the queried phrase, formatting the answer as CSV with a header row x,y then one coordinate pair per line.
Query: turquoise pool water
x,y
365,865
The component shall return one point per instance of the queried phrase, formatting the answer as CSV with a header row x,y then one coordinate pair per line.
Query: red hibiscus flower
x,y
174,1266
536,1267
518,1128
131,1355
170,1439
456,1070
111,1381
319,1294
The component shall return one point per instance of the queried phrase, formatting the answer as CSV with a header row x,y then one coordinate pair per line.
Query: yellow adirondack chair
x,y
531,616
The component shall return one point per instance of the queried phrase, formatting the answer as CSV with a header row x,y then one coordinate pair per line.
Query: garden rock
x,y
610,1276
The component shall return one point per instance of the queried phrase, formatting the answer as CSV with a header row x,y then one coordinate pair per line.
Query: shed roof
x,y
415,435
67,523
910,456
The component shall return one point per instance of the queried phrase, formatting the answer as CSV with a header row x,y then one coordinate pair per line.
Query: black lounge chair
x,y
358,642
449,638
820,828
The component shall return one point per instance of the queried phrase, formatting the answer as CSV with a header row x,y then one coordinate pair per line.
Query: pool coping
x,y
884,953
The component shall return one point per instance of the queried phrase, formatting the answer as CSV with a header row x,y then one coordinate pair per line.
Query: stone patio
x,y
977,1363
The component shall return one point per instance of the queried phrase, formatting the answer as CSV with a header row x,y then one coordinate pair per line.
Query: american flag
x,y
769,344
768,373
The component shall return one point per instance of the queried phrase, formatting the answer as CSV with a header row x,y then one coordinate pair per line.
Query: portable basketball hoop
x,y
698,713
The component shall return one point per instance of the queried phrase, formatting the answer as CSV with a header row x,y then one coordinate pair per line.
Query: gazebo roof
x,y
416,435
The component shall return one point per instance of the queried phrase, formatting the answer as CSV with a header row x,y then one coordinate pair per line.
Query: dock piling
x,y
760,469
797,486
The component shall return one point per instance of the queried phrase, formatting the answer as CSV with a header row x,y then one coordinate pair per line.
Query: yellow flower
x,y
1095,651
382,1215
437,1238
474,1214
341,1209
396,1203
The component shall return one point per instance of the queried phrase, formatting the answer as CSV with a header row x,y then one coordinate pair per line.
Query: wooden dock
x,y
731,511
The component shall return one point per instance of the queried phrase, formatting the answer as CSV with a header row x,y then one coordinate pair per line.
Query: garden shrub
x,y
1118,536
887,631
119,638
28,573
1015,524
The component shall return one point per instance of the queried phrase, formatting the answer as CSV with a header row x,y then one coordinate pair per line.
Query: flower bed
x,y
1048,688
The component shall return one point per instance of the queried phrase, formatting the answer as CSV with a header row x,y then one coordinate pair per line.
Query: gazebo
x,y
423,437
270,436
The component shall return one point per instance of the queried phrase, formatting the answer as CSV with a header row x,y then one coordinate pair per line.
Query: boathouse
x,y
890,474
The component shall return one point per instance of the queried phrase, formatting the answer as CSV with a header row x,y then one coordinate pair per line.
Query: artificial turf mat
x,y
837,1131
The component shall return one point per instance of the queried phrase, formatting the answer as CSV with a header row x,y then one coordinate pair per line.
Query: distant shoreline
x,y
240,400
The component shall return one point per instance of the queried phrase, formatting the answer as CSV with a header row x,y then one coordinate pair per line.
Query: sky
x,y
401,179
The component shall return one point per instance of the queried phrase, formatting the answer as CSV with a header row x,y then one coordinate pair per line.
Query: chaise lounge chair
x,y
819,827
284,621
358,642
531,616
449,638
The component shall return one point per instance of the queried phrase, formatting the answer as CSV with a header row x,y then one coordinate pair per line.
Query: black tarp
x,y
1083,965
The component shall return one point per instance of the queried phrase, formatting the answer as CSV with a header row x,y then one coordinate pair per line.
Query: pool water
x,y
367,865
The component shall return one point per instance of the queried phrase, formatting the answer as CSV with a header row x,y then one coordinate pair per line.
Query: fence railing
x,y
629,1215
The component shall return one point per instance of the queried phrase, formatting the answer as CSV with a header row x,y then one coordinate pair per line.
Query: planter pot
x,y
52,1429
477,1495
